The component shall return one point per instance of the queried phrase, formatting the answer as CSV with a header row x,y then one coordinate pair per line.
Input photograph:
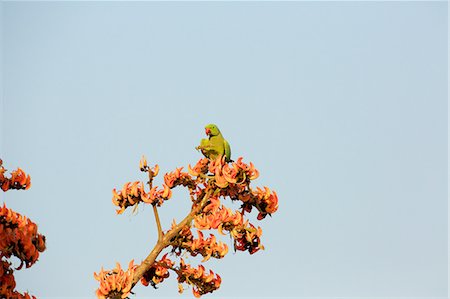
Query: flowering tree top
x,y
19,236
209,182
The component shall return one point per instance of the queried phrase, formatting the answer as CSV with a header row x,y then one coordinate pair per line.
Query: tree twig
x,y
155,210
158,223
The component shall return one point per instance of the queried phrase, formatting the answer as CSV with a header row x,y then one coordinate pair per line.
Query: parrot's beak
x,y
207,131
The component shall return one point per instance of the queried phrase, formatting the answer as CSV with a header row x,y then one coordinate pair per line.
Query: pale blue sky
x,y
342,107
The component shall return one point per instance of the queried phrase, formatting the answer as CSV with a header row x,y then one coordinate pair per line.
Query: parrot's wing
x,y
204,142
204,147
227,149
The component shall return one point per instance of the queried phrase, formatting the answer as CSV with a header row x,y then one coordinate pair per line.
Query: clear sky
x,y
342,106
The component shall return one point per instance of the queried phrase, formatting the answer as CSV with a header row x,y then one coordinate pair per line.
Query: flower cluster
x,y
19,237
205,247
131,194
216,216
145,168
157,272
157,197
8,283
134,193
116,283
265,200
237,173
234,181
200,168
18,180
177,177
246,236
202,282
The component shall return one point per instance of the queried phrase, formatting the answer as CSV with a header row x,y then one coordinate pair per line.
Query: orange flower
x,y
230,173
200,168
213,206
221,216
266,202
130,195
226,174
145,168
220,180
134,193
177,177
180,288
206,247
216,163
116,282
157,197
202,282
216,167
143,164
155,170
272,203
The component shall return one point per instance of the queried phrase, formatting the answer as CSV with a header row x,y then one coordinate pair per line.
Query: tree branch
x,y
165,240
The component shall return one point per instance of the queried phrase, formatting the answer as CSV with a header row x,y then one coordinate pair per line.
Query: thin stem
x,y
158,223
155,210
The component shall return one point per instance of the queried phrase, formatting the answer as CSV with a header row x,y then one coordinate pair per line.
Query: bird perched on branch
x,y
215,145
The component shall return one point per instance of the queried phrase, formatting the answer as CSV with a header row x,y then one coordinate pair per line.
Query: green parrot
x,y
215,145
